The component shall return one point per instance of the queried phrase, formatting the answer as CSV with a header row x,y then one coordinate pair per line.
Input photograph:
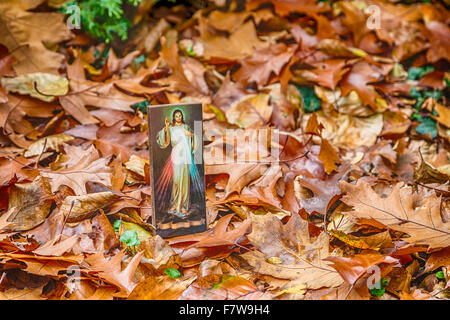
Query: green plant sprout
x,y
310,100
378,292
117,225
173,273
131,239
103,19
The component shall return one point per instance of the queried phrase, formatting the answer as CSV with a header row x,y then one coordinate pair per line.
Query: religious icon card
x,y
177,169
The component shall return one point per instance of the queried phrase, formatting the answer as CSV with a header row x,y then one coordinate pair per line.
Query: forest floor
x,y
350,201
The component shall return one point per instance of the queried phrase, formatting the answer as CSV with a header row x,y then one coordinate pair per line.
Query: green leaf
x,y
417,73
440,275
140,59
141,232
190,51
417,117
436,94
310,100
117,225
378,292
130,237
428,125
141,106
173,273
103,19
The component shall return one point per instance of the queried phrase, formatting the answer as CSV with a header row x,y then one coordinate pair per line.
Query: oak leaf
x,y
110,141
353,268
328,156
302,258
359,78
76,176
160,288
418,216
439,41
237,46
218,236
286,7
24,34
111,270
47,143
263,62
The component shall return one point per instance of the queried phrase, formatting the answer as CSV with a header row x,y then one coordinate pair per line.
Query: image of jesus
x,y
180,172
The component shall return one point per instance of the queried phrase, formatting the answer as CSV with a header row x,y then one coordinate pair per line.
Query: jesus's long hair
x,y
173,116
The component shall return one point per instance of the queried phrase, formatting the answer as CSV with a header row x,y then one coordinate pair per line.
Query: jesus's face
x,y
178,117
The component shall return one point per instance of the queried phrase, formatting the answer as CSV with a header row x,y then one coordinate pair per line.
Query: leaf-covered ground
x,y
351,203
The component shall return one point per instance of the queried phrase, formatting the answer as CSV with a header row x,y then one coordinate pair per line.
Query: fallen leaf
x,y
353,268
33,201
438,259
161,288
76,176
238,45
263,62
111,271
78,208
24,33
302,258
401,210
43,86
42,145
328,156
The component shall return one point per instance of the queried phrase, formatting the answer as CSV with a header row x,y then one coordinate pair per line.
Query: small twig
x,y
41,93
67,217
436,189
43,149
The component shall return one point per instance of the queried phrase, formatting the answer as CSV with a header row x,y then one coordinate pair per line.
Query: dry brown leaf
x,y
24,33
22,294
218,236
302,258
179,80
346,131
111,270
161,288
353,268
110,141
238,45
438,259
76,176
33,201
43,86
57,246
402,210
263,62
42,145
328,156
78,208
252,109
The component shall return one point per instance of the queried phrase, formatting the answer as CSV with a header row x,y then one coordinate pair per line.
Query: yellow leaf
x,y
47,143
141,232
43,86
